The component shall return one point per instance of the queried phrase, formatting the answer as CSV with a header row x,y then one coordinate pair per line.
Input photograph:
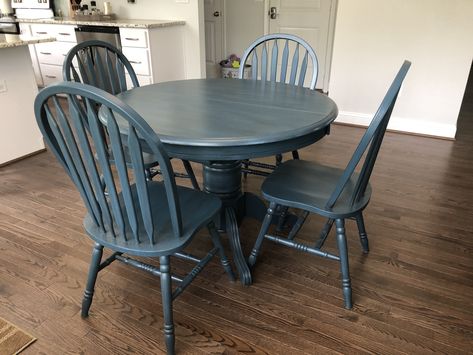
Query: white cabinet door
x,y
53,52
130,37
25,29
51,73
138,57
63,33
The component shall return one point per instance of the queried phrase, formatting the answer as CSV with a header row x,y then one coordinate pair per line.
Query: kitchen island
x,y
19,134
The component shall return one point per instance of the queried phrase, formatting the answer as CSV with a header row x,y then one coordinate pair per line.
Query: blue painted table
x,y
219,122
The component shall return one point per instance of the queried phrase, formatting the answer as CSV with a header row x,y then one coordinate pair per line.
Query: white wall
x,y
192,12
373,37
244,23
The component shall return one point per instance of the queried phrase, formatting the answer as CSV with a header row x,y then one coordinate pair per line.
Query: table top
x,y
232,119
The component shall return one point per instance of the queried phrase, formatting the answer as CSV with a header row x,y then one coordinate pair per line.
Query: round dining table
x,y
220,122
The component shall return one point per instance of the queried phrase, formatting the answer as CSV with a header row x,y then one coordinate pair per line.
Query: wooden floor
x,y
412,292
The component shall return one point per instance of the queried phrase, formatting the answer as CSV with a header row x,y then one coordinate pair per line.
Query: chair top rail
x,y
100,64
374,136
274,55
77,142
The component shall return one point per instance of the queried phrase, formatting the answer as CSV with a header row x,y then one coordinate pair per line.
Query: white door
x,y
312,20
213,36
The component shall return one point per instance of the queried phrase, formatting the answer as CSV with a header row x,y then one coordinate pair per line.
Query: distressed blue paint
x,y
148,218
333,193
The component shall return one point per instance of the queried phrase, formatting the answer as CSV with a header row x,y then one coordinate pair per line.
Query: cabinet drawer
x,y
53,52
132,37
51,73
63,33
138,58
42,30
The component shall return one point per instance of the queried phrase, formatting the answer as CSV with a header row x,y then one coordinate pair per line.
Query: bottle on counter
x,y
85,9
107,8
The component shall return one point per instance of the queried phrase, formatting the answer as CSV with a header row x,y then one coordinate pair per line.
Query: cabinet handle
x,y
41,33
132,39
45,53
50,76
64,34
134,62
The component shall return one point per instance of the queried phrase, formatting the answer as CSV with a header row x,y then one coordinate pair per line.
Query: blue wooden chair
x,y
136,216
333,193
280,58
102,65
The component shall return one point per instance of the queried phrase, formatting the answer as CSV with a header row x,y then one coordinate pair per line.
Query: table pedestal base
x,y
223,179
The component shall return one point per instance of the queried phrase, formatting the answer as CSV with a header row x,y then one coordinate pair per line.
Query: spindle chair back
x,y
126,212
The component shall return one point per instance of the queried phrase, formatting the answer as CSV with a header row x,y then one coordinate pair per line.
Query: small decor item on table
x,y
231,67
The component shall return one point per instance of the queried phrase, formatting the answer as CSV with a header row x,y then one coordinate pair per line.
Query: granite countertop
x,y
118,23
9,41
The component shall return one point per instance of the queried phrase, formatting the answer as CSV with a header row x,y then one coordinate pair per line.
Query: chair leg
x,y
218,244
295,154
191,174
92,277
345,271
324,234
278,159
264,229
245,166
362,231
148,174
166,293
298,225
282,218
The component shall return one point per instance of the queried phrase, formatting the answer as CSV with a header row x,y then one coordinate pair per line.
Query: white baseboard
x,y
402,124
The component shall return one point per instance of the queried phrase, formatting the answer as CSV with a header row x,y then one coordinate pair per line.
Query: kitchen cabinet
x,y
48,57
156,54
25,29
154,48
51,55
19,136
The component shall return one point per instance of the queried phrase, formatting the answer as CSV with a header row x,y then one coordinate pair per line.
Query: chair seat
x,y
149,160
198,209
307,185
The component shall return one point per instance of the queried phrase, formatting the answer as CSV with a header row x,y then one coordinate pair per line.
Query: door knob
x,y
273,12
216,13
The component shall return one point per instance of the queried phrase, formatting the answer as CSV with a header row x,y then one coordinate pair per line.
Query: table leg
x,y
223,179
234,239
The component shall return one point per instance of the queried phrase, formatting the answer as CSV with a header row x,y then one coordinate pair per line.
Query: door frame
x,y
330,39
222,27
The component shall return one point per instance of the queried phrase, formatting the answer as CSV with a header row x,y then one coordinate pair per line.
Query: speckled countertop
x,y
9,41
118,23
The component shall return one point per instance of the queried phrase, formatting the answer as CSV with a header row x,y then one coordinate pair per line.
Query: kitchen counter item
x,y
95,17
33,8
9,25
107,8
5,8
